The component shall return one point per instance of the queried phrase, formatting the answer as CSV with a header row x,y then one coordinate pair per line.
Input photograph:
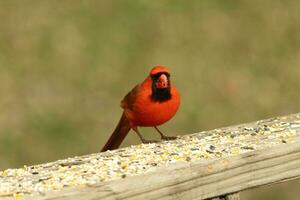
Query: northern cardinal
x,y
149,104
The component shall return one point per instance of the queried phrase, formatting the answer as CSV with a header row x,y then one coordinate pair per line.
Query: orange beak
x,y
162,81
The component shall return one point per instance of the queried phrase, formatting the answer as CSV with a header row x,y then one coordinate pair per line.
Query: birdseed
x,y
83,171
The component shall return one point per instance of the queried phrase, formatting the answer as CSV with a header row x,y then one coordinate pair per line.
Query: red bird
x,y
149,104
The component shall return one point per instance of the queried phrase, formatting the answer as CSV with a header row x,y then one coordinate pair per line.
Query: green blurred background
x,y
65,66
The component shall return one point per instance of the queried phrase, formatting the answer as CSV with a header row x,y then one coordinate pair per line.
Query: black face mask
x,y
160,94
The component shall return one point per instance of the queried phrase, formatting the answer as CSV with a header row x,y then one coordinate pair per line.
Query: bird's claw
x,y
168,137
150,141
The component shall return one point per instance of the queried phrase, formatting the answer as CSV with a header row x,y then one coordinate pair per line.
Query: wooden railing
x,y
211,164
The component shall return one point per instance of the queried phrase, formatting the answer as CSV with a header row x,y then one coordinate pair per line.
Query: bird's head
x,y
161,85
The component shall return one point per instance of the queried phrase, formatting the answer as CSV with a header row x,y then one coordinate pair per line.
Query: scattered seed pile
x,y
91,169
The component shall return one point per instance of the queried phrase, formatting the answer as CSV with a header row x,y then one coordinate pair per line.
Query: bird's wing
x,y
130,98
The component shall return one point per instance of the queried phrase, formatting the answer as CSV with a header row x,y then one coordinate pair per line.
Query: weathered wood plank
x,y
258,153
200,180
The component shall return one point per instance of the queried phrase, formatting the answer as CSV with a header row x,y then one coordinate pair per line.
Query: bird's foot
x,y
150,141
164,137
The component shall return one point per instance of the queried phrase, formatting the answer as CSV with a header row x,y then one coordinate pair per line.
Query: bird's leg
x,y
142,138
165,137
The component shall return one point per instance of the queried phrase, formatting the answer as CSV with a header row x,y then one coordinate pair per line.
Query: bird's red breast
x,y
143,107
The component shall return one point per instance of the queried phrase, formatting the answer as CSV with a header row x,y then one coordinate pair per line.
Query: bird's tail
x,y
118,135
